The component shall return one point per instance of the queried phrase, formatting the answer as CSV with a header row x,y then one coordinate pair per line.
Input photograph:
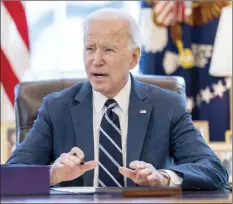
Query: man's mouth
x,y
99,76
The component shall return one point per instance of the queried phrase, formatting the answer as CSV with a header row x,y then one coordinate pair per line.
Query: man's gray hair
x,y
115,14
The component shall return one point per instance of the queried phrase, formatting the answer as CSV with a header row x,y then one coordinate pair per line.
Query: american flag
x,y
169,12
14,46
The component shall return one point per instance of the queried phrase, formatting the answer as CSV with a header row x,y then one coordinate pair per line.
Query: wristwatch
x,y
164,173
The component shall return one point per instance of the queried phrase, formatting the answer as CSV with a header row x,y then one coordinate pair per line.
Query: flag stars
x,y
228,82
190,104
206,95
219,89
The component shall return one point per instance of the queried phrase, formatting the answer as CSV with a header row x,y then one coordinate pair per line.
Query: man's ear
x,y
136,56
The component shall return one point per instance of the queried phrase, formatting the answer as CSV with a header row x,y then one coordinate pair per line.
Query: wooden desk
x,y
187,197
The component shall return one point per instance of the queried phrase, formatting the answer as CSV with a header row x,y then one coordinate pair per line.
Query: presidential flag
x,y
177,39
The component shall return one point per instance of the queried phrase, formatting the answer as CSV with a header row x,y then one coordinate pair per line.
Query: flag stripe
x,y
17,12
8,77
168,19
166,11
14,45
181,9
169,12
159,6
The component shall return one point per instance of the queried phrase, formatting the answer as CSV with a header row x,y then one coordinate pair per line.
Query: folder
x,y
24,180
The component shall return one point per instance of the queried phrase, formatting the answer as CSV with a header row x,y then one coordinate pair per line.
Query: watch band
x,y
164,173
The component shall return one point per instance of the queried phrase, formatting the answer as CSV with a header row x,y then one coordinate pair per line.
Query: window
x,y
56,37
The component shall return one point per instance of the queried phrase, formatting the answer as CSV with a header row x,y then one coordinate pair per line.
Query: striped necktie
x,y
110,148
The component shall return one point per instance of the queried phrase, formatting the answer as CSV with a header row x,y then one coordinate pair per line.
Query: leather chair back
x,y
29,95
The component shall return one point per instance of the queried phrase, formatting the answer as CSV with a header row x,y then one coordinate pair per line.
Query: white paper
x,y
81,190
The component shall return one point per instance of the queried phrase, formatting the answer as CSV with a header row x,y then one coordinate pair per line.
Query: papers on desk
x,y
85,190
72,190
127,192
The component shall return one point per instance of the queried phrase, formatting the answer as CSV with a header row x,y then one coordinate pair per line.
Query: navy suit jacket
x,y
164,136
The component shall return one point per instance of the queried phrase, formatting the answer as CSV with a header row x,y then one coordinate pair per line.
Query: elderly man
x,y
114,130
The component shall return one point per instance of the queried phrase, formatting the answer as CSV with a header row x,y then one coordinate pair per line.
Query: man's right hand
x,y
67,167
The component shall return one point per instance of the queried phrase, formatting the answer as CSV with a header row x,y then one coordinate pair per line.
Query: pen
x,y
82,162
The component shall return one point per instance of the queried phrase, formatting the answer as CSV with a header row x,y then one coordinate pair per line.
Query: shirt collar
x,y
122,98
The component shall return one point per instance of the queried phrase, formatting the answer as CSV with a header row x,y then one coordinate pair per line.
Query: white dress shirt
x,y
122,99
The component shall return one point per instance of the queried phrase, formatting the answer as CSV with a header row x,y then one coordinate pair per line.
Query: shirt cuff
x,y
175,179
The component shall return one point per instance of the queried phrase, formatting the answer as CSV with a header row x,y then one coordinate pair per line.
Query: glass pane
x,y
56,36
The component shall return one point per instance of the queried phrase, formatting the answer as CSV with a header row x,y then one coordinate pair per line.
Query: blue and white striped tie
x,y
110,148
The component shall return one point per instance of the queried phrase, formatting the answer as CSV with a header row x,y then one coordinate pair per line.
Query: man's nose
x,y
98,58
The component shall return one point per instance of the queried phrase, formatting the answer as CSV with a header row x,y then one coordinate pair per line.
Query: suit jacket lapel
x,y
82,117
139,114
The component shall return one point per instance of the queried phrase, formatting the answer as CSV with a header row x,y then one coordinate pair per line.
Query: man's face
x,y
107,56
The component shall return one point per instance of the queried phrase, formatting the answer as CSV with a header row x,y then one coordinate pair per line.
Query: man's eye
x,y
89,48
109,50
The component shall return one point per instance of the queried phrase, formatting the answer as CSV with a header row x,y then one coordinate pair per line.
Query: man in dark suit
x,y
114,130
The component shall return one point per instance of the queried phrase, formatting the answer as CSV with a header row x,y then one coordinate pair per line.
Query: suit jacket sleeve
x,y
195,162
36,149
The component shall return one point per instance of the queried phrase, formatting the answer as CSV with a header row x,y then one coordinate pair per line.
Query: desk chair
x,y
29,95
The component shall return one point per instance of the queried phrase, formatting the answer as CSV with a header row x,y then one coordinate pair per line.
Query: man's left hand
x,y
144,174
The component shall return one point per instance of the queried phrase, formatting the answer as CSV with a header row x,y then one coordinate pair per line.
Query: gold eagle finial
x,y
205,11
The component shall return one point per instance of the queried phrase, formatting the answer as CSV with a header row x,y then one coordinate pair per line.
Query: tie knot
x,y
110,103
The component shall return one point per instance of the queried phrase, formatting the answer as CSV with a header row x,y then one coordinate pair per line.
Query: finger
x,y
67,162
87,166
75,159
138,164
57,164
62,156
134,164
128,172
145,165
78,152
145,172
